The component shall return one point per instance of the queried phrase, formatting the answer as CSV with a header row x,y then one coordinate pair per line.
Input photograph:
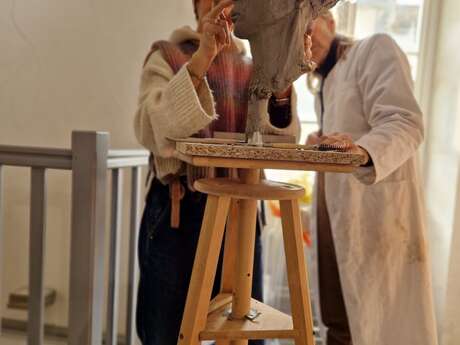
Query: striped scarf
x,y
228,77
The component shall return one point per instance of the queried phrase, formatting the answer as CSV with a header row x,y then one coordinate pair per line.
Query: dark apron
x,y
333,311
166,258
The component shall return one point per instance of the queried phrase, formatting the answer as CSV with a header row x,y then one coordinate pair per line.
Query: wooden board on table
x,y
266,138
248,152
232,163
207,140
234,138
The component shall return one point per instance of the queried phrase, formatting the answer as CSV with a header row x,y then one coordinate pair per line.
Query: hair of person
x,y
344,43
195,9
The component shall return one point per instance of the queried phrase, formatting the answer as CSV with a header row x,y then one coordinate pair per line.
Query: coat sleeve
x,y
170,106
390,106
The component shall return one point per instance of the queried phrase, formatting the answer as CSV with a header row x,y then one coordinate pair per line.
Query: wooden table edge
x,y
222,162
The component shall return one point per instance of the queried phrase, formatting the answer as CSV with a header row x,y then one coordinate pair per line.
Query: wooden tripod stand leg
x,y
230,252
297,272
247,213
230,248
204,270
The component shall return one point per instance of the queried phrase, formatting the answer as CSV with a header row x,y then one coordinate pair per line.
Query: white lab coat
x,y
377,215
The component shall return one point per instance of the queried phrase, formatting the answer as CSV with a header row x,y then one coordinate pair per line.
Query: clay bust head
x,y
275,30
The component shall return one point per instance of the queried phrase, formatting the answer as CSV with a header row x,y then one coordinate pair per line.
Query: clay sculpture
x,y
275,30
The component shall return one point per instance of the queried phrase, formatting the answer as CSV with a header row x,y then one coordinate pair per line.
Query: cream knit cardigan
x,y
170,106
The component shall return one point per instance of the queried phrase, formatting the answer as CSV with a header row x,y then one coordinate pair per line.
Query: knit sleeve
x,y
170,106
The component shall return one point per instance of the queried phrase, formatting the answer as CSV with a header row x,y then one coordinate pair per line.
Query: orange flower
x,y
275,208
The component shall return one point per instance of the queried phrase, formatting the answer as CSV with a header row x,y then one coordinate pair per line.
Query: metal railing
x,y
90,162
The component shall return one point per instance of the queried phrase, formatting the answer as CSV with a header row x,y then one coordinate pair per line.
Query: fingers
x,y
338,136
219,31
307,43
341,139
309,29
225,24
216,25
307,47
226,17
313,139
217,10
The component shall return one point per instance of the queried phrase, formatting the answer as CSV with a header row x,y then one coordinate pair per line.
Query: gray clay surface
x,y
275,30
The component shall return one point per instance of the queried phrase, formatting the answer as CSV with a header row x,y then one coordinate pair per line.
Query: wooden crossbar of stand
x,y
233,316
270,324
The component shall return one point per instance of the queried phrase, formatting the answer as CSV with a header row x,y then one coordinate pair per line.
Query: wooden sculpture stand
x,y
237,202
233,317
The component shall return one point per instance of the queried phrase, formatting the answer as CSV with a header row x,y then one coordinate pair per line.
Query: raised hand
x,y
215,35
215,29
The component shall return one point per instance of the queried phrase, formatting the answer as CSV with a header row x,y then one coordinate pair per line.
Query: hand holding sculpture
x,y
214,28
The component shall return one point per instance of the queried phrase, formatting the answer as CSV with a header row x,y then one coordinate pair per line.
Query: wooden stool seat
x,y
265,190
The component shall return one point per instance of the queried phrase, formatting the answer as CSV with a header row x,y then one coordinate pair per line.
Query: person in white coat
x,y
374,271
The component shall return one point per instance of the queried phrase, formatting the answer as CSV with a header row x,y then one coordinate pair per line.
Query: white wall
x,y
68,65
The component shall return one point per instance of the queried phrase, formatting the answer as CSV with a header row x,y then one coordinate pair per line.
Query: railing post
x,y
36,316
114,256
132,267
89,178
1,241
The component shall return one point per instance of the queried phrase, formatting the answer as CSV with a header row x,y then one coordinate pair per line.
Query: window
x,y
362,18
401,19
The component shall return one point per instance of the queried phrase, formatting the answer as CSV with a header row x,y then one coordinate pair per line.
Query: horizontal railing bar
x,y
128,153
47,151
64,163
62,159
34,160
117,163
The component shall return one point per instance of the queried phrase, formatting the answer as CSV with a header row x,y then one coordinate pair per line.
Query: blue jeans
x,y
166,258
